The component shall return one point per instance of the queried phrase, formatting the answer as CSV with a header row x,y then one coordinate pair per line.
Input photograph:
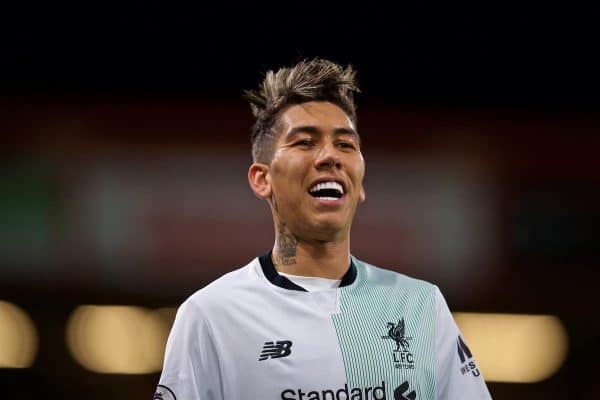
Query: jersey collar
x,y
279,280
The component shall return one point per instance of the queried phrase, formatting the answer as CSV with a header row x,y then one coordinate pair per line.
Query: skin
x,y
316,140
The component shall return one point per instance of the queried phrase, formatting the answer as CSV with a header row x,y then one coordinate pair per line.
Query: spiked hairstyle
x,y
308,80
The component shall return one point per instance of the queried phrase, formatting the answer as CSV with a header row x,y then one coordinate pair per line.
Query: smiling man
x,y
313,183
307,320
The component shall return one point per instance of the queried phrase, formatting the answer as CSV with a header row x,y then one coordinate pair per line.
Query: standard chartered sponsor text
x,y
344,393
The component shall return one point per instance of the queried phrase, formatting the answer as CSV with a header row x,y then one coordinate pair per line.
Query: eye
x,y
347,145
304,143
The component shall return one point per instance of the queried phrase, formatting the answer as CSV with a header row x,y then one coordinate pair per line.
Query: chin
x,y
329,230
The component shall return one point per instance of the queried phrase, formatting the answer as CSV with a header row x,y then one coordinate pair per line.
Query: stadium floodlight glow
x,y
18,337
515,347
163,318
118,339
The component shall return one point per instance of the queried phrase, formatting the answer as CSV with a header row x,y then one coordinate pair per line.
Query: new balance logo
x,y
281,348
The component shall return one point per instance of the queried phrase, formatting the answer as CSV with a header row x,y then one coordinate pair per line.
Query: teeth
x,y
327,185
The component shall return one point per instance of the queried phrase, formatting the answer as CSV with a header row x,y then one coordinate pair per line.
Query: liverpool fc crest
x,y
403,358
397,332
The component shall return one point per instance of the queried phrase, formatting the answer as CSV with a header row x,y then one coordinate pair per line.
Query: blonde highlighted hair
x,y
308,80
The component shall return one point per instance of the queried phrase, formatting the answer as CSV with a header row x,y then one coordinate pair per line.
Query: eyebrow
x,y
311,129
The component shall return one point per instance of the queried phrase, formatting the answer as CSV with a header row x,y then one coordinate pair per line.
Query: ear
x,y
362,196
258,178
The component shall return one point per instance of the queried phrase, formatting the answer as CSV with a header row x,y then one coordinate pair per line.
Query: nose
x,y
328,157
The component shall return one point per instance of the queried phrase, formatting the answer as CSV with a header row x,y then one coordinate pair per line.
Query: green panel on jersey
x,y
367,308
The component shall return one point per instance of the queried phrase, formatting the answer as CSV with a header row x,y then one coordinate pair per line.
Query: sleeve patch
x,y
164,393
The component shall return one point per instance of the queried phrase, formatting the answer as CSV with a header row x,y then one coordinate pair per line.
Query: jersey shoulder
x,y
378,276
223,291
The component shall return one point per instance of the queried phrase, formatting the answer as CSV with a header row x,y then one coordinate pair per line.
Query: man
x,y
307,321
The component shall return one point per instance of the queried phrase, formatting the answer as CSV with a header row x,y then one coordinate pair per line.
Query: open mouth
x,y
327,190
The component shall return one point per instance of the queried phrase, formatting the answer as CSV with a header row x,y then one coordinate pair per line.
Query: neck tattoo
x,y
285,246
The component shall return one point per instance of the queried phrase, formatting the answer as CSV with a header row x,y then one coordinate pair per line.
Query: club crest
x,y
401,355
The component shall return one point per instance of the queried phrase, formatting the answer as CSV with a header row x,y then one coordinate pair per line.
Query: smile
x,y
330,190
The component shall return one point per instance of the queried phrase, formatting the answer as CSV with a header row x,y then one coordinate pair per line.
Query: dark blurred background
x,y
125,144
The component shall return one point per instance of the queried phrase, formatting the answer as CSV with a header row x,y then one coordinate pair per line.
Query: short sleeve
x,y
191,366
457,373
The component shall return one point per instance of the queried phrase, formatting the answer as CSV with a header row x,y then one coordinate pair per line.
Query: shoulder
x,y
378,276
219,293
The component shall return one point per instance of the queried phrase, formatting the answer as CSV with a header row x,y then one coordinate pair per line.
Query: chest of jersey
x,y
351,343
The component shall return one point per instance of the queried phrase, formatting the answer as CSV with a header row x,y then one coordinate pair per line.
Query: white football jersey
x,y
255,335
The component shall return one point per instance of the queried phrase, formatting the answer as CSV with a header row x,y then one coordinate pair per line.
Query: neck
x,y
323,259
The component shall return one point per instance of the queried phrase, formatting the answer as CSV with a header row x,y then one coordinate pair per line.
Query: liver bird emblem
x,y
396,332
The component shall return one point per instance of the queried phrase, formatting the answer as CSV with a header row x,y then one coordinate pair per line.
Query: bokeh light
x,y
118,339
515,348
18,337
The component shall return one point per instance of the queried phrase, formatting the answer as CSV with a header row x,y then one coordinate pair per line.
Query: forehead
x,y
320,114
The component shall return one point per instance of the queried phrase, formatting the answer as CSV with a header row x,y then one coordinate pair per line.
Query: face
x,y
315,180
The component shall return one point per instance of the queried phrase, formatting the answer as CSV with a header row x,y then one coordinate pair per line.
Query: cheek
x,y
286,177
289,167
